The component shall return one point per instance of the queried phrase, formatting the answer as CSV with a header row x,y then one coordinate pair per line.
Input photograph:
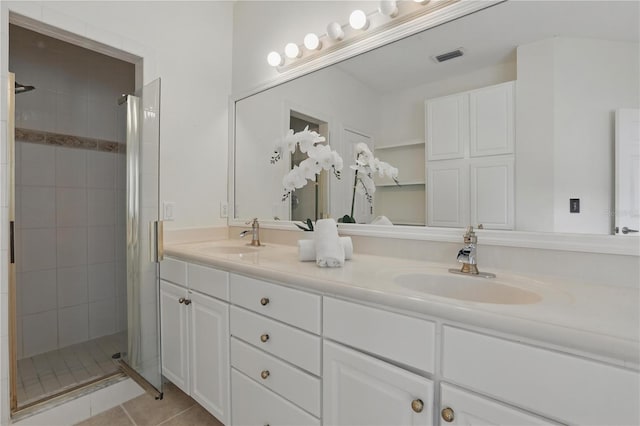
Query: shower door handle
x,y
156,240
12,242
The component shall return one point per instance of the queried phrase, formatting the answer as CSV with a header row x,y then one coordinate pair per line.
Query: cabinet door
x,y
491,119
470,410
491,192
447,127
361,390
209,325
448,193
174,333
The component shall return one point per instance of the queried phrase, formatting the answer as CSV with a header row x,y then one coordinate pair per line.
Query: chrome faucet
x,y
467,256
255,232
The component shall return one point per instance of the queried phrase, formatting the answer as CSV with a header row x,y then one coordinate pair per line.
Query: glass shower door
x,y
144,238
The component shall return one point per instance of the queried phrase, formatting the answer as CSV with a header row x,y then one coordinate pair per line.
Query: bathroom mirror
x,y
572,64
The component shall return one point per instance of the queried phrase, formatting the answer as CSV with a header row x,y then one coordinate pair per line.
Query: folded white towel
x,y
329,250
381,220
307,249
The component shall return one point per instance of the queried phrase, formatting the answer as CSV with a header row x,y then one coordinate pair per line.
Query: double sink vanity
x,y
257,338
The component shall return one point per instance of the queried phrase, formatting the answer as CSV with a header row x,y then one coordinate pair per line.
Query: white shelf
x,y
392,184
411,142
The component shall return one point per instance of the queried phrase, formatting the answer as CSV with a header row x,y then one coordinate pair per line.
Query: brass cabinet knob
x,y
264,301
265,374
181,300
417,405
187,301
447,414
264,338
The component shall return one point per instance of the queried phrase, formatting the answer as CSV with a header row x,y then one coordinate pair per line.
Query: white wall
x,y
188,44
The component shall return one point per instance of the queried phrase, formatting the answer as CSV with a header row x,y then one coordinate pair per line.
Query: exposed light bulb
x,y
389,8
358,20
421,1
334,30
312,42
292,51
274,59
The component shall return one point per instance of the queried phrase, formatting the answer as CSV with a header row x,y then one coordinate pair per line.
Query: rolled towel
x,y
329,250
307,249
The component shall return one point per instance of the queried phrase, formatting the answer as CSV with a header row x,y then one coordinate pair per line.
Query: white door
x,y
363,210
458,407
447,127
209,326
491,120
174,332
361,390
627,214
448,193
491,192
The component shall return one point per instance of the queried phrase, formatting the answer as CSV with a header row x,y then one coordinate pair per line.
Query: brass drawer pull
x,y
447,414
417,405
181,300
264,301
264,338
187,301
265,374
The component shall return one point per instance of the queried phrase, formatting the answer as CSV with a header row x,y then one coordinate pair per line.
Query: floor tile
x,y
194,416
113,417
145,410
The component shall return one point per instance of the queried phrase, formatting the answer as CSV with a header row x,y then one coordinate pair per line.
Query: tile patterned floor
x,y
175,409
46,374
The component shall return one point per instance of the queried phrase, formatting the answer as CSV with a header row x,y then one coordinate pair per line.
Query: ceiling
x,y
490,37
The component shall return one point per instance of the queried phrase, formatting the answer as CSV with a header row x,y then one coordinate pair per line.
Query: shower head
x,y
21,88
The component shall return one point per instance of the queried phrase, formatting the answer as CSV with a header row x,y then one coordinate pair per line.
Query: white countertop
x,y
603,321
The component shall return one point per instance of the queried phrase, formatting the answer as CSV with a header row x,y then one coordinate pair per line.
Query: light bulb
x,y
292,51
421,1
358,20
274,59
312,42
334,30
389,8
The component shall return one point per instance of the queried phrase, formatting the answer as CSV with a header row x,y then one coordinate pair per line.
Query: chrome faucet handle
x,y
469,236
253,222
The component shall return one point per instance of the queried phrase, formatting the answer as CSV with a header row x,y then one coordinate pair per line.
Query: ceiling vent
x,y
449,55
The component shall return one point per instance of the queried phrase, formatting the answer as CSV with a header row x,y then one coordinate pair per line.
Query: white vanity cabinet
x,y
195,333
469,158
275,354
360,389
555,385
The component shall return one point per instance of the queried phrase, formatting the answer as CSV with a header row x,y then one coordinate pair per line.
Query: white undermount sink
x,y
469,288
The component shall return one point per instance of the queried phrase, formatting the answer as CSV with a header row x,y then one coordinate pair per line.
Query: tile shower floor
x,y
51,372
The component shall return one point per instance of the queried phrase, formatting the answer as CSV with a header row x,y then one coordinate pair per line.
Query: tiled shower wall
x,y
70,199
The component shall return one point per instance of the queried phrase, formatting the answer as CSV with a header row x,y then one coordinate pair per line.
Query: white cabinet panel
x,y
175,335
209,281
564,387
174,271
447,128
448,193
209,351
469,409
491,192
255,405
382,333
361,390
491,120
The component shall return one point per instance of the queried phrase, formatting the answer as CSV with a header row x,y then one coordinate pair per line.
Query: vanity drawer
x,y
294,307
569,388
283,341
174,271
212,282
255,405
290,382
407,340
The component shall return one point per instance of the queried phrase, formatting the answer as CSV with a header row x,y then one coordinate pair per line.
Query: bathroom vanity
x,y
258,338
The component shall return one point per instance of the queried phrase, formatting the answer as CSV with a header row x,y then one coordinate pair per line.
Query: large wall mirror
x,y
519,132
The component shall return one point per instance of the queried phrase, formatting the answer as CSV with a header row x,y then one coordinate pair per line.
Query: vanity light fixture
x,y
275,59
312,42
338,35
292,51
334,30
358,20
389,8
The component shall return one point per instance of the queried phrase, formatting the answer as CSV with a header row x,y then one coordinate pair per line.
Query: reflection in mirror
x,y
504,135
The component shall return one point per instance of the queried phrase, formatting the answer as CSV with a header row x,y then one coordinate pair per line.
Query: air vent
x,y
449,55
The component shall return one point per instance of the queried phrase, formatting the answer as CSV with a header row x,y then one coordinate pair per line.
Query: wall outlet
x,y
168,210
224,209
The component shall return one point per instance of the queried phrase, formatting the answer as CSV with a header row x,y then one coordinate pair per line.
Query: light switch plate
x,y
168,210
224,209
